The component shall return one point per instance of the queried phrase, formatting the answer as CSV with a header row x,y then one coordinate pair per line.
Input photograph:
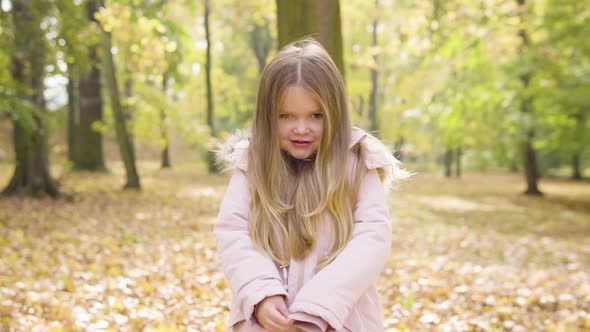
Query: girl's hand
x,y
272,313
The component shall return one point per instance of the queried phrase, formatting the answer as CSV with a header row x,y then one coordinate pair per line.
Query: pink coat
x,y
342,296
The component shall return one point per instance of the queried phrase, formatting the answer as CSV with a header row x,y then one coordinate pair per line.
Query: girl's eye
x,y
317,115
283,116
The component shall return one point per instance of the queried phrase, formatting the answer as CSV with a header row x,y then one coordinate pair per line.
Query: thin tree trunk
x,y
128,109
361,106
374,79
212,165
125,146
73,113
576,167
163,128
530,156
531,167
31,176
166,150
458,154
577,156
448,162
261,43
399,147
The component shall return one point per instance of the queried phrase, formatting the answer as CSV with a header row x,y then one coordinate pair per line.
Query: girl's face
x,y
300,123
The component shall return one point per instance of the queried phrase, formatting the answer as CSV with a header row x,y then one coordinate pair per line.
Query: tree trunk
x,y
90,154
458,154
576,169
398,148
128,110
530,156
31,176
316,18
73,112
577,156
163,128
212,165
261,43
531,167
374,79
448,162
361,107
89,141
123,139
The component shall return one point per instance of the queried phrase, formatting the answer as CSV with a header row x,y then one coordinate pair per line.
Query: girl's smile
x,y
300,143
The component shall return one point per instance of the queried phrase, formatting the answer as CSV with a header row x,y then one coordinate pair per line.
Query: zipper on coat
x,y
285,275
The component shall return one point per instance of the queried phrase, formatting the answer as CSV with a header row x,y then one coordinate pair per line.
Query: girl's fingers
x,y
271,326
276,322
282,308
282,321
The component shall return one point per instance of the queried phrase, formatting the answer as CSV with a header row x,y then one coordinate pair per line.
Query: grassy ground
x,y
469,254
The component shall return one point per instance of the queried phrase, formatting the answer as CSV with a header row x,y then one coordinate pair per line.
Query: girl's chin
x,y
300,154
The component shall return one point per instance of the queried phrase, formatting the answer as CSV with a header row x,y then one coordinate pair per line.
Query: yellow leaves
x,y
68,284
108,242
115,304
12,258
19,234
114,271
165,328
146,287
147,261
139,251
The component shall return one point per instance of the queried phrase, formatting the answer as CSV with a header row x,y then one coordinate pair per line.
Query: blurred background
x,y
488,101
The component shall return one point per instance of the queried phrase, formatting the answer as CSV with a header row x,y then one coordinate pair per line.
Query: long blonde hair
x,y
287,205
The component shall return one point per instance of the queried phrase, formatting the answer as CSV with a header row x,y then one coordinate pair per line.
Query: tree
x,y
88,140
529,153
213,167
123,138
374,76
562,68
164,129
31,175
261,42
319,18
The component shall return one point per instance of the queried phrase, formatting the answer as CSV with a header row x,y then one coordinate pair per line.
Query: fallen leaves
x,y
114,260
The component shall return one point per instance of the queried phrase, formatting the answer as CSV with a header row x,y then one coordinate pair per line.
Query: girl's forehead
x,y
297,98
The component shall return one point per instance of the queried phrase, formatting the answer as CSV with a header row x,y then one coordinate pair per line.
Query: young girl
x,y
304,230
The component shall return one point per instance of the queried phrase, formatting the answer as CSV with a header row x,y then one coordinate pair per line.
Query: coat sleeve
x,y
333,291
252,275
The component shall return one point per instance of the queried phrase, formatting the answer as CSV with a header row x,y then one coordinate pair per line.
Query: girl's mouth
x,y
300,143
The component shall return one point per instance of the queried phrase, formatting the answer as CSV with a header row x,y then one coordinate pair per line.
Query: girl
x,y
304,230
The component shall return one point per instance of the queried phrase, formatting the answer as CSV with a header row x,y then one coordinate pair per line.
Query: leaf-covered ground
x,y
468,255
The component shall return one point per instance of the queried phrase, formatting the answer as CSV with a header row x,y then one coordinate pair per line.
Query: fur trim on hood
x,y
233,154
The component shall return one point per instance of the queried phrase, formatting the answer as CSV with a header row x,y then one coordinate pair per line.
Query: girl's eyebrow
x,y
312,111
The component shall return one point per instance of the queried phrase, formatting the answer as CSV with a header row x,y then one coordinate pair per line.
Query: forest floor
x,y
469,254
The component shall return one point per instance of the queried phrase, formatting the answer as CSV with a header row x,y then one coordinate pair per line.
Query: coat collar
x,y
233,153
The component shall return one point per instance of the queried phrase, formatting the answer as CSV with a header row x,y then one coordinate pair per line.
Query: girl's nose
x,y
301,127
